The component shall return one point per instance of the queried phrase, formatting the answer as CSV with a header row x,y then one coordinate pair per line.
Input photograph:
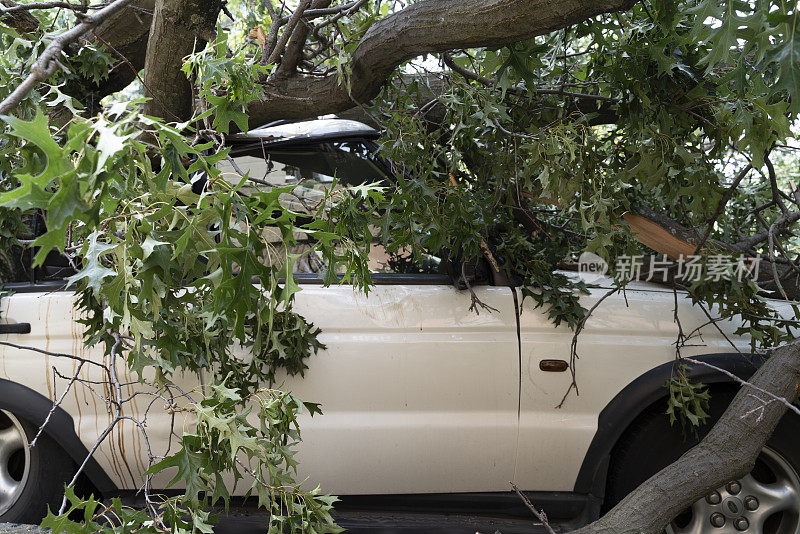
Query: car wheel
x,y
30,479
766,500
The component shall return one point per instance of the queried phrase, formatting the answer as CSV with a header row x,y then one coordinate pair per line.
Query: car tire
x,y
765,501
30,479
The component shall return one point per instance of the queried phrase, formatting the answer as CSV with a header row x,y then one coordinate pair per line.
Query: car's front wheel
x,y
30,478
765,501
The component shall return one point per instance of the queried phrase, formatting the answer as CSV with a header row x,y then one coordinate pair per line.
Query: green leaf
x,y
94,272
290,285
786,54
56,161
227,112
109,143
149,244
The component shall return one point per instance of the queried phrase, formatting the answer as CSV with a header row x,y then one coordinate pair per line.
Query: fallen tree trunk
x,y
421,28
728,451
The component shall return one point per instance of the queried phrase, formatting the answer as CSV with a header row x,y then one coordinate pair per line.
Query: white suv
x,y
425,402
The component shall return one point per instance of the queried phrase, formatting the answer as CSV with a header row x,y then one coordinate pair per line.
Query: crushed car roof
x,y
306,131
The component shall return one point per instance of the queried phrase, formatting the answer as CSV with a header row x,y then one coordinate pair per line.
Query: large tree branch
x,y
124,32
178,26
124,35
287,33
423,27
779,226
127,33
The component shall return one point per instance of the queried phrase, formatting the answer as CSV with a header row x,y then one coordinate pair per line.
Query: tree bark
x,y
127,33
425,27
178,27
728,451
22,21
421,28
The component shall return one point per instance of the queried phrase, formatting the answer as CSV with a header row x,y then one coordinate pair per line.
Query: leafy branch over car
x,y
533,131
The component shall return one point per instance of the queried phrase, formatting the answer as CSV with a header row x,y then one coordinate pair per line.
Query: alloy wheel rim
x,y
765,501
15,460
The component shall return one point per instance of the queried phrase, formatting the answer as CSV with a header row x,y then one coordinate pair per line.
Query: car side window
x,y
314,169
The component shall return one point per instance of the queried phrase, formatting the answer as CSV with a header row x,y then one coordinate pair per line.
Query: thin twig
x,y
573,349
721,205
466,73
745,383
117,402
56,354
56,404
476,302
539,514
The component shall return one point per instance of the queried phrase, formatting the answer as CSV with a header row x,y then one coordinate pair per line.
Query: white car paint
x,y
419,394
626,336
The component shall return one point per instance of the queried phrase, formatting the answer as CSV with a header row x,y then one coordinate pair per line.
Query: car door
x,y
626,335
419,394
